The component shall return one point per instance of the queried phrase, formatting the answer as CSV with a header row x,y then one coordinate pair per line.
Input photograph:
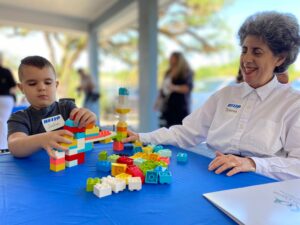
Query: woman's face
x,y
257,61
173,61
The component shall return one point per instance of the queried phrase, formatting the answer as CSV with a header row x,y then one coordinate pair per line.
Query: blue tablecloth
x,y
32,194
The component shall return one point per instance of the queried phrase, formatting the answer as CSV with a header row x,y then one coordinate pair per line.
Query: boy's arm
x,y
22,145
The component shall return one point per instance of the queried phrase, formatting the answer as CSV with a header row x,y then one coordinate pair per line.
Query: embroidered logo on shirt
x,y
233,107
53,123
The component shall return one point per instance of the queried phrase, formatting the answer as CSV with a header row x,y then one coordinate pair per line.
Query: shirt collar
x,y
263,92
43,111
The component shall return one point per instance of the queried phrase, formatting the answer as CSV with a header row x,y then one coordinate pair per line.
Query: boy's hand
x,y
53,139
131,137
83,117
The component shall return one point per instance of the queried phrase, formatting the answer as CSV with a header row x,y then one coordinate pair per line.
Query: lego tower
x,y
122,108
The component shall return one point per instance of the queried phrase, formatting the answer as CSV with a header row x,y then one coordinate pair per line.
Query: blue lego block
x,y
182,157
70,123
157,148
137,149
160,169
165,177
73,147
151,177
91,135
104,166
88,146
79,135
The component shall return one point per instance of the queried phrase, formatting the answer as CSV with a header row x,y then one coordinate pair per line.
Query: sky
x,y
18,47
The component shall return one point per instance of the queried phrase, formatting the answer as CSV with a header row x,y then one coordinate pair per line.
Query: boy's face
x,y
38,85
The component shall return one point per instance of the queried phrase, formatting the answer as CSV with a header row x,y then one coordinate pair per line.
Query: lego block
x,y
124,176
79,135
148,149
94,130
153,156
165,177
116,184
165,159
59,154
70,123
138,161
102,190
102,156
72,163
165,153
134,183
57,161
91,182
182,157
106,141
89,146
157,148
117,168
74,129
104,166
125,160
118,146
151,177
138,144
137,149
113,158
81,157
72,152
58,167
135,172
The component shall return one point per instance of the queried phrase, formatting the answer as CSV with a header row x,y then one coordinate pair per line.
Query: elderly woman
x,y
255,125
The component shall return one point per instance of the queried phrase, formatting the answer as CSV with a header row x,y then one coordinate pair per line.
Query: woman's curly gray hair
x,y
280,31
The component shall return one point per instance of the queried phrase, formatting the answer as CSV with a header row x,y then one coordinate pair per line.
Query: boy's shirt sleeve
x,y
18,122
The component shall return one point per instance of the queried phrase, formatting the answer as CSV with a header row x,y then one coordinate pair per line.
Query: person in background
x,y
255,125
87,86
174,97
7,92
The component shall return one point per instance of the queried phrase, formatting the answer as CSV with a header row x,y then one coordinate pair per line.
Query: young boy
x,y
26,132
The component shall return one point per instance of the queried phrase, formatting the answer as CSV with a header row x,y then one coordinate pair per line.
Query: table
x,y
32,194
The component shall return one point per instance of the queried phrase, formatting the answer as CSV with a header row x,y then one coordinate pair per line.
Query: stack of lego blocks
x,y
82,141
148,164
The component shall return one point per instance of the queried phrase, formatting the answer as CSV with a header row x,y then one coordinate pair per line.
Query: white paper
x,y
275,203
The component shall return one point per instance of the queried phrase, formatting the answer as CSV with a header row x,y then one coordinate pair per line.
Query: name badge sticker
x,y
53,123
233,107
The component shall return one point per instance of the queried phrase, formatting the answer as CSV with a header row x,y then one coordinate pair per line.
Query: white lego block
x,y
72,163
72,151
134,183
59,155
116,184
80,143
102,190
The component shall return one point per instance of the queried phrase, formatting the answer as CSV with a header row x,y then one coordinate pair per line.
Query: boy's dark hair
x,y
36,61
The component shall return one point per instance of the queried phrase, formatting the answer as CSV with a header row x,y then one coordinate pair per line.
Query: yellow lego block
x,y
124,176
105,141
94,130
117,168
137,155
147,149
138,144
74,142
58,167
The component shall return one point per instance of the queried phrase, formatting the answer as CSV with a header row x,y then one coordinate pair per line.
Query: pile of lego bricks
x,y
147,164
82,141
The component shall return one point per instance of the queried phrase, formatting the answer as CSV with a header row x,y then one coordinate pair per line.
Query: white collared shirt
x,y
262,123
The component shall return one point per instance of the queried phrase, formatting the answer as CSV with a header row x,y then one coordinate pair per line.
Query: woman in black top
x,y
7,84
174,97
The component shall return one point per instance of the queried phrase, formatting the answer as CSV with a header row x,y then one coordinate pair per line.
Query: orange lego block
x,y
89,126
117,168
57,161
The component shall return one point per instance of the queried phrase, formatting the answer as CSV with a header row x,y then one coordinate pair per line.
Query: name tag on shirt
x,y
53,123
233,107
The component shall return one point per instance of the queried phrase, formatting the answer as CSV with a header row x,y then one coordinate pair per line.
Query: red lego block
x,y
75,129
57,161
125,160
118,146
71,157
165,159
135,172
81,157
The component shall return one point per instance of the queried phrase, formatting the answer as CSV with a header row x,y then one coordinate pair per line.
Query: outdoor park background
x,y
204,30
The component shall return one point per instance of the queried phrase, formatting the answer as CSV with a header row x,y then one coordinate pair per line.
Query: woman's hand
x,y
233,163
131,137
